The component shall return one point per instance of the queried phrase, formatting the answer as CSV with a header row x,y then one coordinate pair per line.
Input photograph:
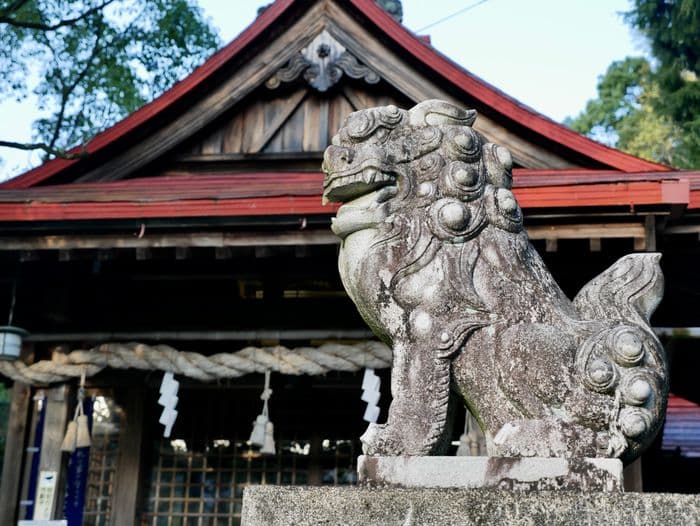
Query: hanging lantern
x,y
10,336
263,430
11,342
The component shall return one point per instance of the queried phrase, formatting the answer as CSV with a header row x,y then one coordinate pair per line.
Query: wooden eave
x,y
454,81
261,194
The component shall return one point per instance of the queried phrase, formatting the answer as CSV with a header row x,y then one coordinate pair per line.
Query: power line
x,y
463,10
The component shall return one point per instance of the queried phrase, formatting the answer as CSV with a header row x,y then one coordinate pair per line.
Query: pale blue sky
x,y
546,53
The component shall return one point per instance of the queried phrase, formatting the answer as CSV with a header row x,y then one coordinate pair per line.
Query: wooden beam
x,y
57,400
587,231
10,482
682,229
127,476
201,239
292,103
209,335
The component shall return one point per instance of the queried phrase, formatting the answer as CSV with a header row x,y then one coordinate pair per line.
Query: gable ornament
x,y
322,64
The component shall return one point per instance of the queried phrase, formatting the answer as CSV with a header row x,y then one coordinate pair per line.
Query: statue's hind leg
x,y
418,415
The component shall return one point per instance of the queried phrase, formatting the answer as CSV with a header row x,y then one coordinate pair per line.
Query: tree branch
x,y
67,91
51,27
45,147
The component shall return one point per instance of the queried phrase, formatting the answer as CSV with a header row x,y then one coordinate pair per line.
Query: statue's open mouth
x,y
346,186
363,193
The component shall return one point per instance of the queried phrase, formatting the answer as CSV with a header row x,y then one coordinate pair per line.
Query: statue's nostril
x,y
346,155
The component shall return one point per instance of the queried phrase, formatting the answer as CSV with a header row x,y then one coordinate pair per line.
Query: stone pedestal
x,y
362,506
531,473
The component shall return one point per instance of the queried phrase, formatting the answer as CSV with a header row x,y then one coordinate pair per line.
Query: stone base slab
x,y
530,473
362,506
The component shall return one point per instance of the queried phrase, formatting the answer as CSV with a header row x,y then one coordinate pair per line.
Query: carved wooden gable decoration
x,y
301,104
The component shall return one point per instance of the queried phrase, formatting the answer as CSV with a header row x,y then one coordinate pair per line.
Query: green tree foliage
x,y
653,111
92,62
624,114
673,31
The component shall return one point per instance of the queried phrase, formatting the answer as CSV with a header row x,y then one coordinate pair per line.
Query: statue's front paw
x,y
387,440
372,444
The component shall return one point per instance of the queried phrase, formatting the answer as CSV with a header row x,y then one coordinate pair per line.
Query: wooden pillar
x,y
633,476
650,233
55,421
14,451
127,483
315,476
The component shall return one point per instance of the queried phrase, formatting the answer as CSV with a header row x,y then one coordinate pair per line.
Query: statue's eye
x,y
360,124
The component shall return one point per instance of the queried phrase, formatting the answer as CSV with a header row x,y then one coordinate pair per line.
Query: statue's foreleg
x,y
418,415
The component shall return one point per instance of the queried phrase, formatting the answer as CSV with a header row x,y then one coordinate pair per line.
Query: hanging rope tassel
x,y
70,440
263,430
78,430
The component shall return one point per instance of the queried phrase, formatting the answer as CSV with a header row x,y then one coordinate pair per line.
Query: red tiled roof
x,y
287,193
414,46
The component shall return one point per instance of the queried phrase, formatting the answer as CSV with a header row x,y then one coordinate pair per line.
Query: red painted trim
x,y
524,177
494,98
605,194
412,44
150,110
174,187
269,206
591,195
694,202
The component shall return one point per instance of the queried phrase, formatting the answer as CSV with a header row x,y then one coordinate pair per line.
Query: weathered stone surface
x,y
533,473
435,256
306,506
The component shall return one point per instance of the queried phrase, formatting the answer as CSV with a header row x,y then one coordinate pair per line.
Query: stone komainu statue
x,y
436,259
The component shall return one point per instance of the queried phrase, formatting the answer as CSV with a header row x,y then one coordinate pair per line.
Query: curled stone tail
x,y
625,360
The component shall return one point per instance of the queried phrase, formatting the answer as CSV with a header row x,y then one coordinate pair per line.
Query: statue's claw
x,y
368,439
372,440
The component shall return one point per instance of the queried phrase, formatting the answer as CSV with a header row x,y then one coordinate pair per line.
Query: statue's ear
x,y
435,112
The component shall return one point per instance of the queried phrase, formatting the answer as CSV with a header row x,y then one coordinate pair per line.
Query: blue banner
x,y
76,480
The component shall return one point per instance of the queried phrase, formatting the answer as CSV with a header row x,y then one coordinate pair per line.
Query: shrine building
x,y
191,237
